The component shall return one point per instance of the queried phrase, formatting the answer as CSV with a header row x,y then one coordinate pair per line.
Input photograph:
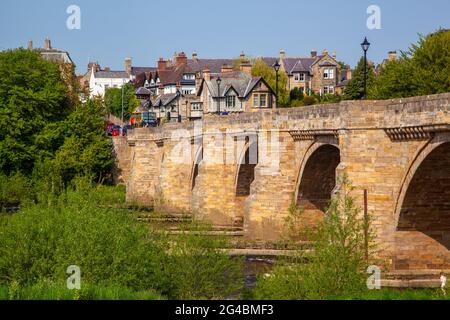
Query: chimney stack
x,y
162,64
206,74
392,55
226,68
349,73
180,59
282,54
325,52
30,45
47,44
334,55
313,53
128,65
242,56
246,67
194,55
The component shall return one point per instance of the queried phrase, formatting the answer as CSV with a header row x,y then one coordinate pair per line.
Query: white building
x,y
100,81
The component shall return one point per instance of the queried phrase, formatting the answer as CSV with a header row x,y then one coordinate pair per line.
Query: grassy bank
x,y
119,257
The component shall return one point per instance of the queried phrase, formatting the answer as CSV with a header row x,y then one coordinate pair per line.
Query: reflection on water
x,y
254,267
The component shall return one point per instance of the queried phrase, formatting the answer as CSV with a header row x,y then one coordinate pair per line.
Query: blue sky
x,y
146,30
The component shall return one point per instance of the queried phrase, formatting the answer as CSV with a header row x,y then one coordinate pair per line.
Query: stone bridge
x,y
250,169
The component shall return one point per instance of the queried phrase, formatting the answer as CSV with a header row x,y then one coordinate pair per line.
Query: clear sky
x,y
147,29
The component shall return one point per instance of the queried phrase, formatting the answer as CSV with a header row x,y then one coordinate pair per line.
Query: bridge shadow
x,y
426,207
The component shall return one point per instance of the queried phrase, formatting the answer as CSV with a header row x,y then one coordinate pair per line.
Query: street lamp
x,y
178,105
365,46
276,66
218,80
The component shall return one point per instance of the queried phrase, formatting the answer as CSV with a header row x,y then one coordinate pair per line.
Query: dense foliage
x,y
422,70
111,248
44,133
113,101
261,69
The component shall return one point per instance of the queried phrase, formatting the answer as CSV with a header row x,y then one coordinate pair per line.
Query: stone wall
x,y
385,147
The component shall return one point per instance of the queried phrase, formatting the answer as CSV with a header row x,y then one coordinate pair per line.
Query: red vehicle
x,y
116,131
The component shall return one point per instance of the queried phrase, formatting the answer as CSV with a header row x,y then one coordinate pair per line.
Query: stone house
x,y
318,74
237,91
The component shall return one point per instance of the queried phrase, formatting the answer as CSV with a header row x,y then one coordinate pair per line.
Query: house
x,y
233,91
51,54
319,74
178,73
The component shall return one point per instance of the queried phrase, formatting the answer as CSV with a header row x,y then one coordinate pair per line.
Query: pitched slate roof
x,y
164,99
239,81
111,74
143,91
214,65
139,70
298,64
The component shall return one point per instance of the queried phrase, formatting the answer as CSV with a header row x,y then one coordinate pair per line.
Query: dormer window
x,y
189,76
328,73
230,101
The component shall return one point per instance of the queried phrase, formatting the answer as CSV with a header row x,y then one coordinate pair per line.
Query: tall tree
x,y
355,87
113,101
32,94
261,69
423,69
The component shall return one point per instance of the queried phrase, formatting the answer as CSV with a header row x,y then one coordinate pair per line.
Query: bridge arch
x,y
423,203
317,176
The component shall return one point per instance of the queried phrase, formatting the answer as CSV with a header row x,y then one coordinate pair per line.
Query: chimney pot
x,y
30,45
47,44
313,53
282,54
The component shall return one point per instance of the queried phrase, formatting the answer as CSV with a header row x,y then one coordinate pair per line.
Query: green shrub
x,y
15,189
338,265
111,248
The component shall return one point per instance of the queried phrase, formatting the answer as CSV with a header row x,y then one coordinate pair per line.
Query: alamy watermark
x,y
73,22
374,280
374,19
74,279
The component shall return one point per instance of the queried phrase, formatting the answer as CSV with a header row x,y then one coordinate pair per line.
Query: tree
x,y
113,101
422,70
32,94
44,132
354,89
261,69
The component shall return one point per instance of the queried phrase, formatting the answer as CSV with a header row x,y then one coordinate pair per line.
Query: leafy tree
x,y
261,69
354,89
423,69
32,94
113,101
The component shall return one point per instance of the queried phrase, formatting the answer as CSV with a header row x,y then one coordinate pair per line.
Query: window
x,y
299,77
328,90
260,100
196,106
230,101
328,73
263,101
255,100
189,76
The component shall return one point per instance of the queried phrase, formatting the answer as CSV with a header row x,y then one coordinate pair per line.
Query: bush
x,y
111,248
309,100
15,189
338,264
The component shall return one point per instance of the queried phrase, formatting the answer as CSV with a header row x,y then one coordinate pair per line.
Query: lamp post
x,y
218,80
276,66
365,46
178,105
122,102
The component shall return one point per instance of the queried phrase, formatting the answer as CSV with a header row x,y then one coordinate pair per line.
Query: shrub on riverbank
x,y
338,265
111,248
